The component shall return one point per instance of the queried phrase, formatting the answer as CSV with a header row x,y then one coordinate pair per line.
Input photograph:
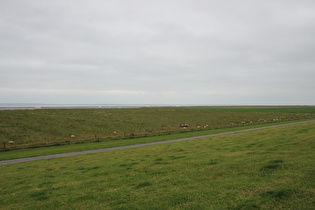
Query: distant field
x,y
265,169
270,109
36,126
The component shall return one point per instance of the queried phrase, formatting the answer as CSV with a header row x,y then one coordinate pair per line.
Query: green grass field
x,y
15,152
265,169
53,125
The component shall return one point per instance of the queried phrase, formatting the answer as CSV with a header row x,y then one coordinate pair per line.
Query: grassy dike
x,y
49,126
33,152
264,169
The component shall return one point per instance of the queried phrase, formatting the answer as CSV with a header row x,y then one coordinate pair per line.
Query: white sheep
x,y
72,136
11,142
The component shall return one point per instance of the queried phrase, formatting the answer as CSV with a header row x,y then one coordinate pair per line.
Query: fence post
x,y
4,146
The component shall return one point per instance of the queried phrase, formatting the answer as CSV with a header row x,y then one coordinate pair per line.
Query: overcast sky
x,y
157,52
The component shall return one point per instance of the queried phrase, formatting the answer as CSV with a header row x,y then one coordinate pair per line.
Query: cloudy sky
x,y
157,52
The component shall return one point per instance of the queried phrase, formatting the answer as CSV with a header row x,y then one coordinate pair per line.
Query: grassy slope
x,y
268,169
266,109
29,126
32,152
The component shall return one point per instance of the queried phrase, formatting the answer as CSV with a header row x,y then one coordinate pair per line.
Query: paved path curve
x,y
5,162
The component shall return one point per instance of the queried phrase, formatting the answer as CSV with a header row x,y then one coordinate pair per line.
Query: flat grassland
x,y
264,169
57,125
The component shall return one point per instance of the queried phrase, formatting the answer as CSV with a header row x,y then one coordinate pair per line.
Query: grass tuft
x,y
272,165
39,195
143,184
278,194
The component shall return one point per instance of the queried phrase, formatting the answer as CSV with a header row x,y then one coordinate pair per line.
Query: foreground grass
x,y
33,152
264,169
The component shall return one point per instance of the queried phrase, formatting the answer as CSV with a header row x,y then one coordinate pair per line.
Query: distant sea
x,y
31,106
26,106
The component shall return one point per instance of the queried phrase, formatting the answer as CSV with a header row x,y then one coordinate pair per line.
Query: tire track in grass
x,y
20,160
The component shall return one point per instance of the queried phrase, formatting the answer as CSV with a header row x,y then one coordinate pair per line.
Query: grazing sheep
x,y
206,126
72,136
11,142
115,132
184,125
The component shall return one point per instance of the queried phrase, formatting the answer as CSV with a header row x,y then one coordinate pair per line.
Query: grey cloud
x,y
209,52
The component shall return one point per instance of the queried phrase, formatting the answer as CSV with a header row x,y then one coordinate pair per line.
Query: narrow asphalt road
x,y
5,162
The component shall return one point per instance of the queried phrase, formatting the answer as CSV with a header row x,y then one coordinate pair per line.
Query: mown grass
x,y
52,125
265,169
